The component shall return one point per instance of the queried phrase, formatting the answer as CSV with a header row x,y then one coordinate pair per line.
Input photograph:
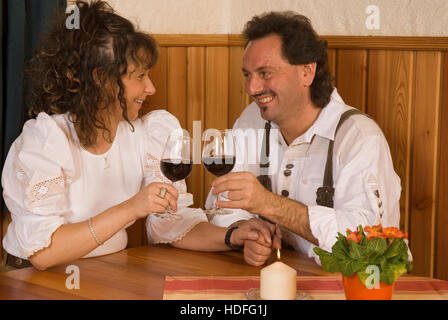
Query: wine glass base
x,y
217,211
168,216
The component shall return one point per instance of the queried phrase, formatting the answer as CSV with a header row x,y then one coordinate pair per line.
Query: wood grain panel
x,y
351,77
332,54
196,112
177,83
369,42
158,75
442,210
137,234
424,163
389,102
217,93
5,219
238,98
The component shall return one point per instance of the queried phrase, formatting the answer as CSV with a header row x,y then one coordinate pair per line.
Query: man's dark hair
x,y
300,45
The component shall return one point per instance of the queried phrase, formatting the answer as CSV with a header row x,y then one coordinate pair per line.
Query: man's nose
x,y
254,85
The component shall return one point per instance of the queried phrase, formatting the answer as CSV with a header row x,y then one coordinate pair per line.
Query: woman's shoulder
x,y
160,117
160,123
44,141
46,127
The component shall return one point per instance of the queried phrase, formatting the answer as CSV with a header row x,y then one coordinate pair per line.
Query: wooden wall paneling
x,y
389,102
196,112
177,83
332,54
442,199
238,98
217,94
351,77
424,162
158,75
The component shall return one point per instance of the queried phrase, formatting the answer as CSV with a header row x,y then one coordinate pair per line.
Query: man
x,y
286,71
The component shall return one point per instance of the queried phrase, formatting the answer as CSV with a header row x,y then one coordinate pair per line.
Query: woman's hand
x,y
148,200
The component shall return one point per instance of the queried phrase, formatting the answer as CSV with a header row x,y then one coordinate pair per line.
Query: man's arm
x,y
246,192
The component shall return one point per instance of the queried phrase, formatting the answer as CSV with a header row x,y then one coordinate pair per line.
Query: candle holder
x,y
254,294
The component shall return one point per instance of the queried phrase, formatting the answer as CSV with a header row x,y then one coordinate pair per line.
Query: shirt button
x,y
285,193
290,166
287,172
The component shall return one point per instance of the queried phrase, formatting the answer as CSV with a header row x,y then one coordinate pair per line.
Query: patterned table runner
x,y
317,287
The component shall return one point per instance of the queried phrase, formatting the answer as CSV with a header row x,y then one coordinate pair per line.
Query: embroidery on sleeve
x,y
374,196
152,166
45,189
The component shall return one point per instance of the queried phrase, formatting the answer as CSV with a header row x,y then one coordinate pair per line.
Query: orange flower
x,y
395,233
353,236
376,234
372,228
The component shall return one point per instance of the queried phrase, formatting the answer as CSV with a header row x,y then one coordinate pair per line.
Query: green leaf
x,y
356,251
340,250
395,249
348,267
376,245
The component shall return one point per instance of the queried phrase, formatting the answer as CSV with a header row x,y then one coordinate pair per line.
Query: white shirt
x,y
49,180
367,189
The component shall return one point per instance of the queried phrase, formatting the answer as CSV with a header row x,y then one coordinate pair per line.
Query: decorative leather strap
x,y
326,192
264,178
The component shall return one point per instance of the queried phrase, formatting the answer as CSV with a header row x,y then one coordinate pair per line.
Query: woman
x,y
87,167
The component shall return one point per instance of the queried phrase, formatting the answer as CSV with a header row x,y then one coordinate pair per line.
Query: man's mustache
x,y
264,92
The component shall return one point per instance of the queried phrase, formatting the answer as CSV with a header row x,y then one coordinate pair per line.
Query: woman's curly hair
x,y
300,45
79,71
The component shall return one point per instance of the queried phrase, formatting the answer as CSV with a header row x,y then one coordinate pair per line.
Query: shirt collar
x,y
327,121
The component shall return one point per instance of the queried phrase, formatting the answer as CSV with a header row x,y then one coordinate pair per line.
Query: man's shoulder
x,y
250,118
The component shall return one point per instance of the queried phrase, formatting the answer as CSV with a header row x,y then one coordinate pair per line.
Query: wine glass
x,y
218,157
176,164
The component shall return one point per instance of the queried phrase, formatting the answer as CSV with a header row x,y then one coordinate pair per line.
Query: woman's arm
x,y
73,241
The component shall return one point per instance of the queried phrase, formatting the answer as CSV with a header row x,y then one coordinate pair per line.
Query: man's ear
x,y
309,72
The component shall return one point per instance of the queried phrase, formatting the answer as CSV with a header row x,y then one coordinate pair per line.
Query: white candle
x,y
278,282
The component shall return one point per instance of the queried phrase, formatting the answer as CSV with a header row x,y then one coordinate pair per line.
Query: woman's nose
x,y
150,89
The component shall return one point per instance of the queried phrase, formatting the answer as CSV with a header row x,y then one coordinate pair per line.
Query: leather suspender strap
x,y
326,192
264,178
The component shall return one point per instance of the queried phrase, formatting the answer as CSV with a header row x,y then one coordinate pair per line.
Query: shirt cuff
x,y
324,226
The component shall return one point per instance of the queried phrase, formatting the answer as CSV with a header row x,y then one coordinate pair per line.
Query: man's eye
x,y
265,74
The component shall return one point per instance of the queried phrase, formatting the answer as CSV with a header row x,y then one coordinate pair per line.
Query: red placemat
x,y
317,288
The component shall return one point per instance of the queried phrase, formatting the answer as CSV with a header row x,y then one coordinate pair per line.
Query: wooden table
x,y
136,273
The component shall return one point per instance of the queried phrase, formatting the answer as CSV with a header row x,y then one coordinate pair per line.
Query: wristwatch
x,y
227,239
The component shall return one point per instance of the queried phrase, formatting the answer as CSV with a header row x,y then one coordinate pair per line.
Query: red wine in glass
x,y
176,164
219,166
176,170
218,157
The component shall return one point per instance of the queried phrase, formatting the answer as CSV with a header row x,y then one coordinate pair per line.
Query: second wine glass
x,y
176,164
218,157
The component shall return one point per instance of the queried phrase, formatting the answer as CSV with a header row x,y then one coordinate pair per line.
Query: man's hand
x,y
244,192
259,237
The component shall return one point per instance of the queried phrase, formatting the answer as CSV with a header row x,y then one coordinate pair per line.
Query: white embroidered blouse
x,y
49,180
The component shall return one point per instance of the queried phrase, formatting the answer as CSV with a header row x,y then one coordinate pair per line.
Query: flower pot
x,y
356,290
